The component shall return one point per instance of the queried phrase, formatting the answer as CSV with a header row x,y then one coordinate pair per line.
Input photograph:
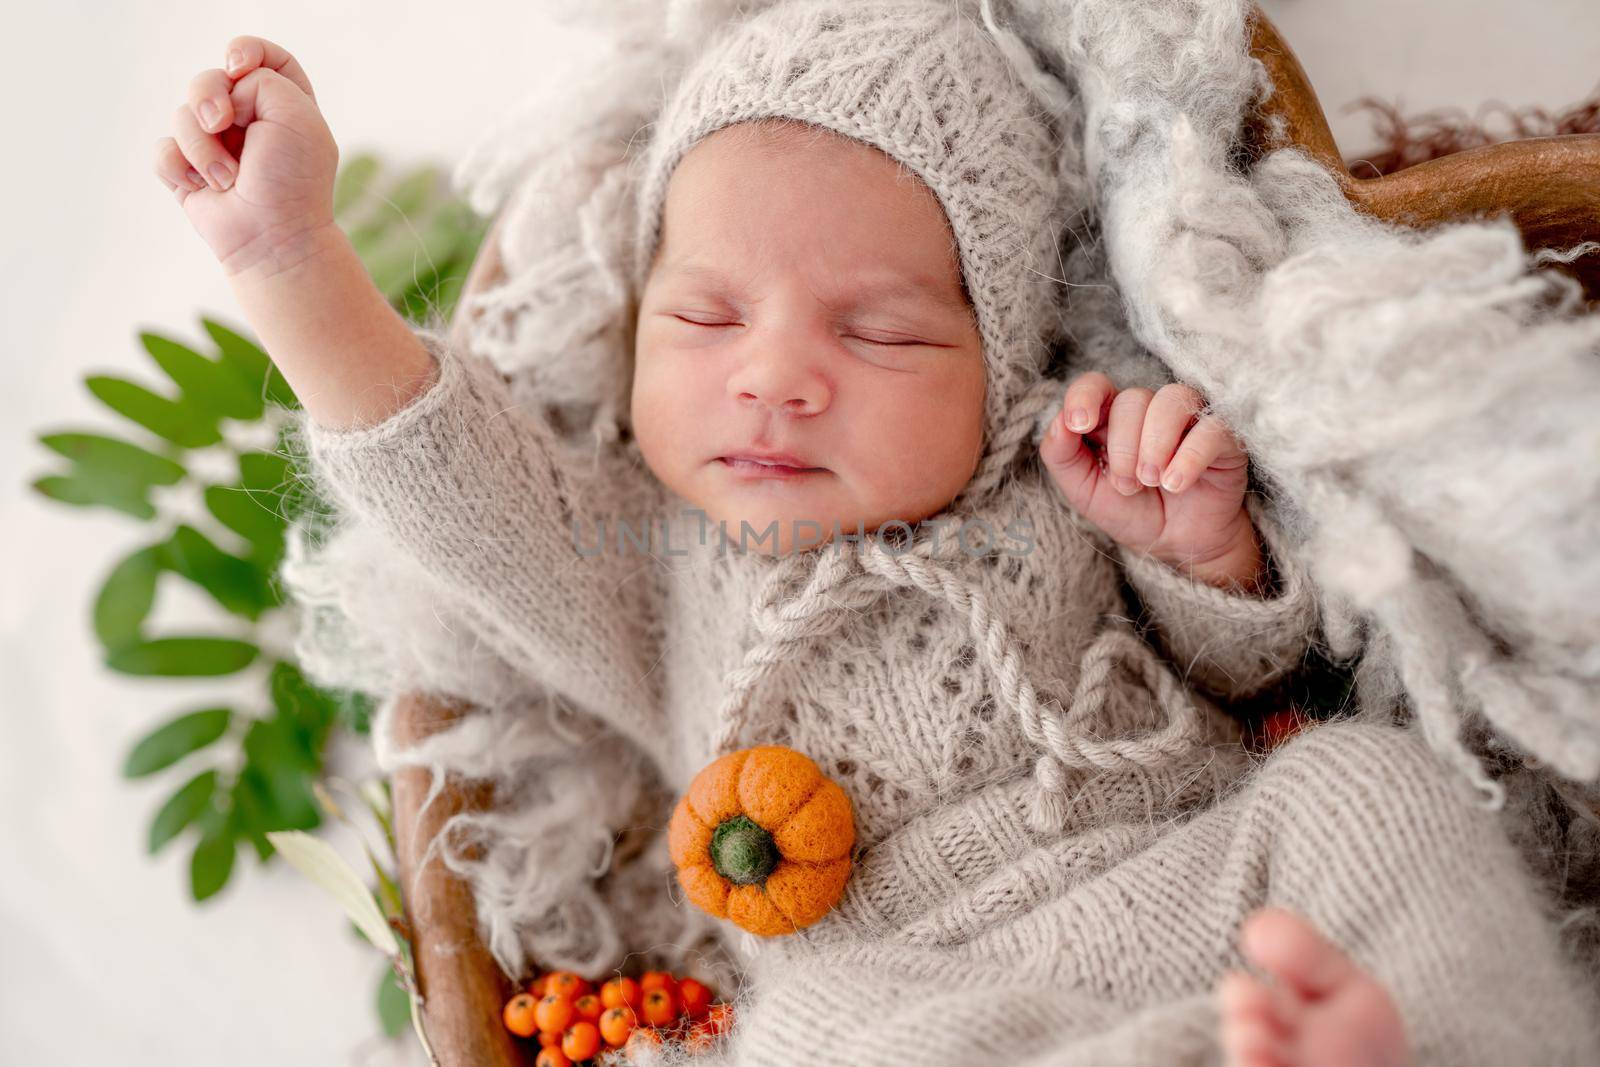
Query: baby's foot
x,y
1322,1010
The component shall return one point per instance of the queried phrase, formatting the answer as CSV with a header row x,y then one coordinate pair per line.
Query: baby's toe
x,y
1293,951
1253,1031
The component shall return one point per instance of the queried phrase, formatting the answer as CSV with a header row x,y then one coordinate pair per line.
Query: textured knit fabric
x,y
1050,799
937,958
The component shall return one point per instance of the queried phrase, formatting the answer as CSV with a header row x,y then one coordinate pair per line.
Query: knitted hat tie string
x,y
836,588
833,591
1063,738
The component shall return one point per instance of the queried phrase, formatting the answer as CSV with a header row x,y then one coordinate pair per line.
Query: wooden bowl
x,y
1550,186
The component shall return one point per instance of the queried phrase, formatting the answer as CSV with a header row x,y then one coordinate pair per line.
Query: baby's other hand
x,y
250,158
1156,475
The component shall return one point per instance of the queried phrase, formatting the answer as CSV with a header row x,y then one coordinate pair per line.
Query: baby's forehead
x,y
755,192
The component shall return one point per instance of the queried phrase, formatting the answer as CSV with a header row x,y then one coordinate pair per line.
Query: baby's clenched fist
x,y
1159,474
251,159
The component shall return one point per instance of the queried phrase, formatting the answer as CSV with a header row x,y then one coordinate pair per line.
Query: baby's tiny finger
x,y
203,150
1204,442
1165,422
174,170
248,52
1086,400
208,95
1125,427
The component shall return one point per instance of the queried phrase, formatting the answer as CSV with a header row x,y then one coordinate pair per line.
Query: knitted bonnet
x,y
921,81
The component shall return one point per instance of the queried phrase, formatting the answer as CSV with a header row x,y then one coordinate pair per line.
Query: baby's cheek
x,y
923,452
654,412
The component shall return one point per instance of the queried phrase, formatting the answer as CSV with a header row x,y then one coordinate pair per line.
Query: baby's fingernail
x,y
235,60
1173,481
209,114
1148,473
1078,420
1125,486
195,181
221,174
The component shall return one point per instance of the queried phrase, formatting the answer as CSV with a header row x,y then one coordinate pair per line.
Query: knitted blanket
x,y
1417,407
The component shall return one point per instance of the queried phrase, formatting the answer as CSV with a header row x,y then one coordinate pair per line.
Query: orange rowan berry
x,y
660,1008
554,1012
519,1015
1280,726
695,997
617,1023
659,980
566,982
552,1057
549,1038
720,1017
699,1037
621,991
581,1041
588,1008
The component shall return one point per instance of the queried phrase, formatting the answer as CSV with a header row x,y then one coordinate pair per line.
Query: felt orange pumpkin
x,y
762,837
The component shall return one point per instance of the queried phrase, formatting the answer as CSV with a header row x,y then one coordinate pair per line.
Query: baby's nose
x,y
785,387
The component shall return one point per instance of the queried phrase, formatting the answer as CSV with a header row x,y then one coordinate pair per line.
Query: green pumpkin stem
x,y
743,852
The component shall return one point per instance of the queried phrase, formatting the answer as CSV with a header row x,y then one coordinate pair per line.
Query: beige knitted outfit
x,y
1058,830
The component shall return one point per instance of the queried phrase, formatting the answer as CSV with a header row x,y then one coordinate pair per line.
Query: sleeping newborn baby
x,y
806,350
848,219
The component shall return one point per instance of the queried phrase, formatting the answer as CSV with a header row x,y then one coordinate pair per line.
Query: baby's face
x,y
806,301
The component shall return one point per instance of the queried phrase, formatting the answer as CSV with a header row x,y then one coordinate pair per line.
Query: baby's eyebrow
x,y
853,291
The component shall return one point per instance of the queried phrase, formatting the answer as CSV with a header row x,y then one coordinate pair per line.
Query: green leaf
x,y
388,891
250,363
186,657
126,597
259,507
251,812
237,509
278,773
353,182
383,226
68,489
107,472
111,458
377,793
415,191
355,711
311,711
181,809
172,420
239,585
394,1004
258,840
320,862
168,744
273,483
207,385
212,861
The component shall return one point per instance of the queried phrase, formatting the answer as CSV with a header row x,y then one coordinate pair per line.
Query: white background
x,y
102,956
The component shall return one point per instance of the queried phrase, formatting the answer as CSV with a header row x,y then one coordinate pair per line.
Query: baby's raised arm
x,y
265,208
403,426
